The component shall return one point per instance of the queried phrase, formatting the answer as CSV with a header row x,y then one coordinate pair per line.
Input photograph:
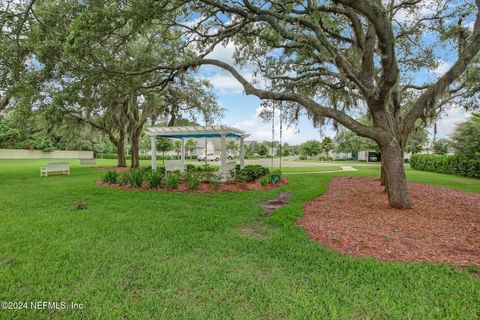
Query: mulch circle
x,y
353,217
204,187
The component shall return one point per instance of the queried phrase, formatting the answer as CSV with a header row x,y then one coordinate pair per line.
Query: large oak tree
x,y
333,58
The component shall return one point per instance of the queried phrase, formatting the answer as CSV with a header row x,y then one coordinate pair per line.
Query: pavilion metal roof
x,y
196,132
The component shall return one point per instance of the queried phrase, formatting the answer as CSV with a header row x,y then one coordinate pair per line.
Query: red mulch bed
x,y
353,217
205,187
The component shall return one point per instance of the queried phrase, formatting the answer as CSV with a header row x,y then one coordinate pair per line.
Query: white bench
x,y
174,165
63,167
88,161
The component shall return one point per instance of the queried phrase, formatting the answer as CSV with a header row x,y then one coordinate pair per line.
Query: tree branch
x,y
430,97
308,103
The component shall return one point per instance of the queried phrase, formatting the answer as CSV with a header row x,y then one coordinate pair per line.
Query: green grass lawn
x,y
311,169
157,255
347,162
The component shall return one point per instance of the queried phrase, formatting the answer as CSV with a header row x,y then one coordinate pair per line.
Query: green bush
x,y
250,173
146,169
214,181
111,177
128,157
265,180
135,177
123,179
457,165
172,180
193,180
323,158
213,178
154,179
202,168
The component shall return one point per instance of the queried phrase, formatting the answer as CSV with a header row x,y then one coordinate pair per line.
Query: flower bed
x,y
204,187
194,180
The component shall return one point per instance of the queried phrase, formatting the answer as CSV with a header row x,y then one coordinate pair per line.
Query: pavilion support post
x,y
223,155
242,153
182,153
153,140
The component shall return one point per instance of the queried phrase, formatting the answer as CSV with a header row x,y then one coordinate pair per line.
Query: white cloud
x,y
223,53
225,83
449,120
425,9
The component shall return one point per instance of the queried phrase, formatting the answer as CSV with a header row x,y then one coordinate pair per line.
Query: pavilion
x,y
185,132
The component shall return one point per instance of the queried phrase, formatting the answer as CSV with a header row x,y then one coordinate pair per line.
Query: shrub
x,y
172,180
193,180
111,177
203,168
123,179
323,158
265,180
457,165
146,169
191,167
250,173
128,157
214,180
135,177
154,179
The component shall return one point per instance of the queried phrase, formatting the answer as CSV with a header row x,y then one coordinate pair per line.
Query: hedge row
x,y
457,165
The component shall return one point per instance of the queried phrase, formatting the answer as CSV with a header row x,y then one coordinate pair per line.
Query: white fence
x,y
38,154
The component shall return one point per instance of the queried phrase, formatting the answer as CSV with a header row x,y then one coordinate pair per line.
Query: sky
x,y
242,111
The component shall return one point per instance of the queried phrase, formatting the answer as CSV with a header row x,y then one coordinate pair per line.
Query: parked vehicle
x,y
210,157
374,156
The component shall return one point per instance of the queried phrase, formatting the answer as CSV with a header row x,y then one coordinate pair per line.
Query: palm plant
x,y
190,145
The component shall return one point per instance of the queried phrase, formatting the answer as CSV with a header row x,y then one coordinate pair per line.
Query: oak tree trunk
x,y
394,175
122,162
135,148
382,171
120,145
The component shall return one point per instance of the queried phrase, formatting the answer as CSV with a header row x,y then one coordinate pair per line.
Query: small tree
x,y
262,150
310,148
164,145
177,145
327,145
190,145
466,137
232,147
440,146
